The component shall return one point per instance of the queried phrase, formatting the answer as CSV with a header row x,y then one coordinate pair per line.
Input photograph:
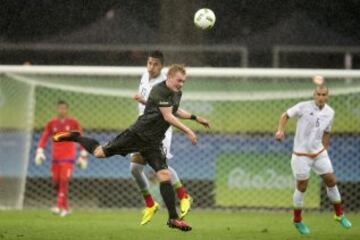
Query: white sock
x,y
333,194
137,170
174,177
298,199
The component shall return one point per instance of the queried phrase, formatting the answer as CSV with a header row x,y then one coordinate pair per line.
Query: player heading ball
x,y
146,135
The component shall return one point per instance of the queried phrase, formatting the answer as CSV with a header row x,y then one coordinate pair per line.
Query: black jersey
x,y
151,126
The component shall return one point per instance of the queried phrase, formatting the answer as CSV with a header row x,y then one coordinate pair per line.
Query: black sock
x,y
88,143
168,195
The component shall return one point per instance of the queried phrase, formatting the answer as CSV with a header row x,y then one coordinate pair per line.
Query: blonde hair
x,y
176,68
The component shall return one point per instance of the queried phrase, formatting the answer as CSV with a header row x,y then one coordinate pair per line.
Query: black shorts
x,y
129,142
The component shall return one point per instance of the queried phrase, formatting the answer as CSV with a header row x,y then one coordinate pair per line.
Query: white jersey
x,y
311,125
146,84
145,87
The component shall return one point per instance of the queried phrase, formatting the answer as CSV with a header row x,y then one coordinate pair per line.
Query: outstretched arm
x,y
181,113
174,121
280,134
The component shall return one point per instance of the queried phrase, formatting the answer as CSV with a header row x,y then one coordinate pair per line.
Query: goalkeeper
x,y
63,155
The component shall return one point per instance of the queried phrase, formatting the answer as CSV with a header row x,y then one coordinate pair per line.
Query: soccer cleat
x,y
179,224
344,222
148,213
302,228
55,210
65,136
185,205
64,213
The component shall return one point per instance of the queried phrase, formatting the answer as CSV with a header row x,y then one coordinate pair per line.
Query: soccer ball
x,y
204,18
318,80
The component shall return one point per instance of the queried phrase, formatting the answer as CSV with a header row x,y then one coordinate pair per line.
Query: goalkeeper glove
x,y
82,160
40,156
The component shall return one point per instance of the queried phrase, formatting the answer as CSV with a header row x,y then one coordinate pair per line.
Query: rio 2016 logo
x,y
267,179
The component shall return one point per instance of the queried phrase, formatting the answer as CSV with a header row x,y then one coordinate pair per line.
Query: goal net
x,y
236,164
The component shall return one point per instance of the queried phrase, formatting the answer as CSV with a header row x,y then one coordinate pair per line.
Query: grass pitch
x,y
81,225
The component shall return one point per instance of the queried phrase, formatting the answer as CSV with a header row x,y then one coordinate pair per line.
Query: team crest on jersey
x,y
67,128
54,129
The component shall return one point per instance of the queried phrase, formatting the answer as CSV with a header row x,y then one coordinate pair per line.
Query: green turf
x,y
36,224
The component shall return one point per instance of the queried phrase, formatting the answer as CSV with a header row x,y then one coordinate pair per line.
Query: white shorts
x,y
166,143
301,165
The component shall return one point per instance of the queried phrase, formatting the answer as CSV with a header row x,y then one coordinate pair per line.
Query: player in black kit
x,y
146,135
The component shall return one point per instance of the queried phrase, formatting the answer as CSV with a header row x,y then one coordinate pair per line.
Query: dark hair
x,y
322,87
62,102
158,55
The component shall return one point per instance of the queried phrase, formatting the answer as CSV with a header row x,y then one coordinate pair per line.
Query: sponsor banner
x,y
259,180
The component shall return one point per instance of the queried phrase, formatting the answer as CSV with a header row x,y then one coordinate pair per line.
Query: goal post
x,y
237,163
16,121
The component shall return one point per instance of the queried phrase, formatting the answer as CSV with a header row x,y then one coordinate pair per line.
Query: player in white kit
x,y
311,141
150,78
